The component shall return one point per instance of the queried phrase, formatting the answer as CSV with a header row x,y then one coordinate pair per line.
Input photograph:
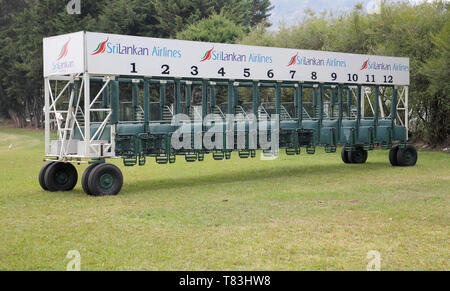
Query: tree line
x,y
24,23
420,32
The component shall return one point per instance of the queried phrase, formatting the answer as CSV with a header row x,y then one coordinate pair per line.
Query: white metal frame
x,y
90,145
67,148
402,103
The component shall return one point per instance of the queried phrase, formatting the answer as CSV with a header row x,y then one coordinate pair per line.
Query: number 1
x,y
133,65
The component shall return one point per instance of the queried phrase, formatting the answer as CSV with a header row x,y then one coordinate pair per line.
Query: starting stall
x,y
134,98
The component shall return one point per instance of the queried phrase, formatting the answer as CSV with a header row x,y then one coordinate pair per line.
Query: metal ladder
x,y
194,114
68,127
139,114
262,113
240,113
167,113
218,114
284,114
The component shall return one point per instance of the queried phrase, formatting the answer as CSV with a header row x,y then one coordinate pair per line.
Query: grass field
x,y
295,213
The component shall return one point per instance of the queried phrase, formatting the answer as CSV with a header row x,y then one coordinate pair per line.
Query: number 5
x,y
246,72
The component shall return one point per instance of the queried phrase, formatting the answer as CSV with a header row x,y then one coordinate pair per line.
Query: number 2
x,y
165,69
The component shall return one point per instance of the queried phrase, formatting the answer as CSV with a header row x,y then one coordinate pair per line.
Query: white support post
x,y
407,110
47,116
74,114
363,97
381,106
101,91
368,95
401,106
67,127
87,115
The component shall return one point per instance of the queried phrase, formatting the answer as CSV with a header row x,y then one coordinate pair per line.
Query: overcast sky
x,y
292,11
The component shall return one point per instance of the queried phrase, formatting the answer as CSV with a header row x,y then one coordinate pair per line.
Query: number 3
x,y
194,70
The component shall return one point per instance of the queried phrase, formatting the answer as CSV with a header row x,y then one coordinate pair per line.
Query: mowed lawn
x,y
295,213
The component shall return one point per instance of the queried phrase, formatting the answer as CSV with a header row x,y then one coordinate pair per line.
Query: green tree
x,y
216,28
175,15
419,32
24,23
248,13
21,53
437,70
132,17
9,10
258,12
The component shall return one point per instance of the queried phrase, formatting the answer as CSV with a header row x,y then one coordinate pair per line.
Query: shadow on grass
x,y
245,175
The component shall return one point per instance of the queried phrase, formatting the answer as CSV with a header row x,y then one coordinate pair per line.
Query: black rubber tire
x,y
85,178
358,156
407,157
345,156
61,177
42,175
393,156
105,180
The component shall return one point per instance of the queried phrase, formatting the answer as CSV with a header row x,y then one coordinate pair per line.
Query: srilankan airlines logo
x,y
64,51
207,55
376,66
223,56
365,65
293,60
101,48
318,61
61,65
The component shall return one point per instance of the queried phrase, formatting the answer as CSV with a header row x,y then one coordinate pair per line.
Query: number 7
x,y
293,74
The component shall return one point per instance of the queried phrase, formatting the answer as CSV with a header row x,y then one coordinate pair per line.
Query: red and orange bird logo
x,y
64,51
100,48
293,60
207,55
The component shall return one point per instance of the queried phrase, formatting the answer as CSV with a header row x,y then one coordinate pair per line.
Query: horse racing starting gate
x,y
128,97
